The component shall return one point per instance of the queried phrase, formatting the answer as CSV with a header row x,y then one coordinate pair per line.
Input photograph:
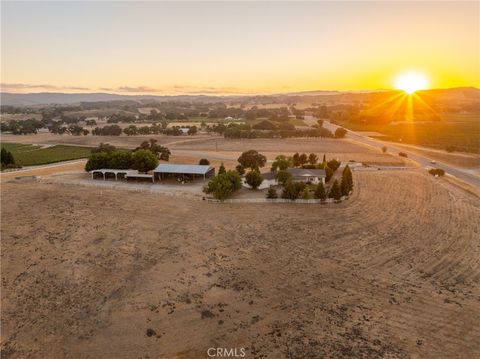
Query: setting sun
x,y
411,82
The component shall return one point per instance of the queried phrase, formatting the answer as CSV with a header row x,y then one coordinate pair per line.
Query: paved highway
x,y
420,159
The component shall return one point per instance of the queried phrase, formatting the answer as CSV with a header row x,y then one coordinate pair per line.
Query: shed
x,y
166,170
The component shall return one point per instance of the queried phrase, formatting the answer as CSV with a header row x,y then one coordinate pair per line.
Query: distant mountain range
x,y
44,98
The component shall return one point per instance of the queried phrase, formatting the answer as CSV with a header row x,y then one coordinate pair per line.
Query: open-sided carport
x,y
166,170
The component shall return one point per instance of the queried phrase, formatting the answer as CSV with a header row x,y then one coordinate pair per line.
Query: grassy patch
x,y
30,155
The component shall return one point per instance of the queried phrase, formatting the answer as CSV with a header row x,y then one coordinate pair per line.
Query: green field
x,y
461,132
30,155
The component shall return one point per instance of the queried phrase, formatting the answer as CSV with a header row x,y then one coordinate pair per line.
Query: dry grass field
x,y
389,273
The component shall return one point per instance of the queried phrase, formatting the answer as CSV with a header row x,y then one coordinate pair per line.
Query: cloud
x,y
208,90
42,87
137,89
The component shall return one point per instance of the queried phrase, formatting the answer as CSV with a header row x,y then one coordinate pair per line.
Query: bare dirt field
x,y
219,148
100,273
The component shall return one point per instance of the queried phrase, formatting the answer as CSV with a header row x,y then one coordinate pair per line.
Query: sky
x,y
235,48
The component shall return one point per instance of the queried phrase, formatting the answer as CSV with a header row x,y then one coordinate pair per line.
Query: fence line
x,y
192,196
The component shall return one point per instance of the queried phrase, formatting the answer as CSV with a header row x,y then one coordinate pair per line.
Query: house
x,y
314,176
184,130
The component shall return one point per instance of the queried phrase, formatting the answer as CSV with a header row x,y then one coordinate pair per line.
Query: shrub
x,y
384,149
450,148
204,162
292,189
306,193
254,179
335,191
272,193
144,160
223,185
320,192
402,154
436,172
220,186
340,132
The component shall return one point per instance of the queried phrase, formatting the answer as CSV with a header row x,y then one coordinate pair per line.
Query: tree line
x,y
144,158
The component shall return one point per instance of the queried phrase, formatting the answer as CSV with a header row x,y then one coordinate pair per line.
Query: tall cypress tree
x,y
335,191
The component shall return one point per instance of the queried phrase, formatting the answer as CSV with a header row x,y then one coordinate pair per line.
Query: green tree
x,y
220,187
272,193
328,173
222,169
283,176
163,153
235,179
312,158
296,160
324,158
347,177
335,192
240,170
144,160
303,159
104,147
252,159
254,179
204,162
121,159
320,192
7,159
334,164
98,160
281,163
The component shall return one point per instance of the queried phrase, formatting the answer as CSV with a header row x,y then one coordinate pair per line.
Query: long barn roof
x,y
184,169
